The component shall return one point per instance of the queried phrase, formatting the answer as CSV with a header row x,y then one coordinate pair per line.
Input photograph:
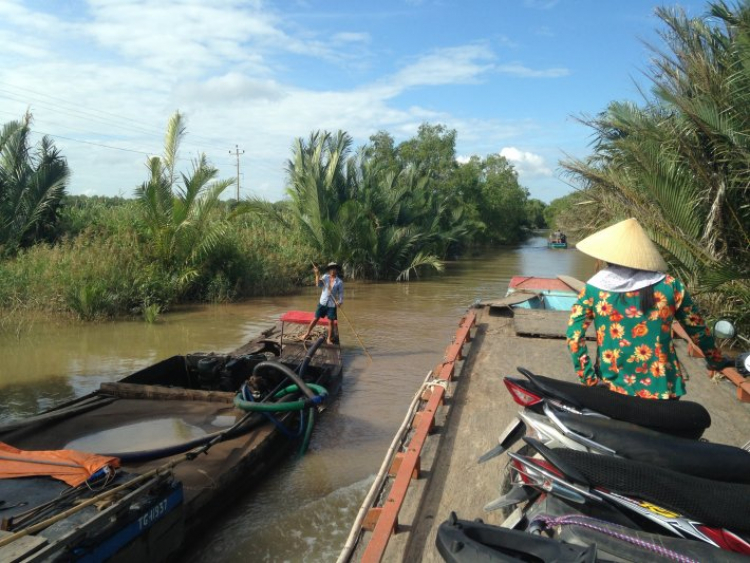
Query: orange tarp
x,y
69,466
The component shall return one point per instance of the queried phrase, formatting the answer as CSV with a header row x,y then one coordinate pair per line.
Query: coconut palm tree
x,y
32,185
179,213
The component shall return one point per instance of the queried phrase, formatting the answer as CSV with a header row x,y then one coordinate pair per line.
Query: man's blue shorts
x,y
326,311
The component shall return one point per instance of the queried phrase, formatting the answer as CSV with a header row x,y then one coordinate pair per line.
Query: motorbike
x,y
540,395
544,398
634,494
595,420
579,540
562,413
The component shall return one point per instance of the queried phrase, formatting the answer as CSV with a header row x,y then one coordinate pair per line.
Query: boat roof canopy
x,y
301,318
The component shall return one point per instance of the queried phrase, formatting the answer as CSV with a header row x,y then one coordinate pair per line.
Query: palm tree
x,y
32,185
374,218
681,161
179,213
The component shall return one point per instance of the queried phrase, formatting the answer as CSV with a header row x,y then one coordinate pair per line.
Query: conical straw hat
x,y
625,244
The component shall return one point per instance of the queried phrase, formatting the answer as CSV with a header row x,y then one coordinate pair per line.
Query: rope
x,y
605,528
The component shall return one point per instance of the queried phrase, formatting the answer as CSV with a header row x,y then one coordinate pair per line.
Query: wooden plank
x,y
163,393
573,283
410,460
742,383
389,516
544,323
21,548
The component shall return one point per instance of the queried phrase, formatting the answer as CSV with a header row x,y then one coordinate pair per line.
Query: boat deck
x,y
469,422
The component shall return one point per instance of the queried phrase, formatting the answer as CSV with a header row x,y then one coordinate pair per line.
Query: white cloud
x,y
453,65
544,31
528,164
351,37
115,73
517,69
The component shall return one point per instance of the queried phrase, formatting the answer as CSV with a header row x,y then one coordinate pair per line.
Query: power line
x,y
90,143
75,111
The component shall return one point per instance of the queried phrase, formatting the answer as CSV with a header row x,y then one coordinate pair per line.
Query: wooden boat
x,y
158,422
557,244
532,292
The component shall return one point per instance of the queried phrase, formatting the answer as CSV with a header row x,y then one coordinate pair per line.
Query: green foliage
x,y
151,313
386,211
535,214
32,183
389,211
680,161
78,213
381,220
503,202
176,242
180,214
569,213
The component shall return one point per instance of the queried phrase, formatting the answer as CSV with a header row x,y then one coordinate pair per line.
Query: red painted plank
x,y
388,517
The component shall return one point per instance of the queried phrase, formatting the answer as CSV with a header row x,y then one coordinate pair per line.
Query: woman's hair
x,y
648,301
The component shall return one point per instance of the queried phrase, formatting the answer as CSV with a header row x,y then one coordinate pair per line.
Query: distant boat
x,y
250,406
557,244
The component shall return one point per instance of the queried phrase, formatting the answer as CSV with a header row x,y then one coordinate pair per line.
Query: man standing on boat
x,y
331,297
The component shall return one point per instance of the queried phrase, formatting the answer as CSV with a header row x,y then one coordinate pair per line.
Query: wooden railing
x,y
383,520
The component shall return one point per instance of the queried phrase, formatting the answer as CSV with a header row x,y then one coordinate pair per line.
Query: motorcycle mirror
x,y
724,328
743,364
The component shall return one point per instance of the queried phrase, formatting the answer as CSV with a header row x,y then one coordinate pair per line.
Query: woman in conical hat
x,y
633,303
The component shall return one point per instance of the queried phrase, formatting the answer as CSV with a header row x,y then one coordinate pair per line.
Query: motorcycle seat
x,y
713,503
462,541
678,418
700,459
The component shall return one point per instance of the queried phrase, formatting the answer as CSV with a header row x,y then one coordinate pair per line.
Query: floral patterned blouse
x,y
636,355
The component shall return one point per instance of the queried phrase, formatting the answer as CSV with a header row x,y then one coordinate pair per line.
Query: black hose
x,y
278,366
59,413
244,425
310,353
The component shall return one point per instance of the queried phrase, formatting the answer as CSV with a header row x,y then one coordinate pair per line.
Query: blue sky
x,y
509,75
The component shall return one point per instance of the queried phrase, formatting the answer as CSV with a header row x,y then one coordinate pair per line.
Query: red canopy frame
x,y
301,318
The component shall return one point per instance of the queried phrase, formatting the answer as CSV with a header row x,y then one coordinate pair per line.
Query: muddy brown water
x,y
304,510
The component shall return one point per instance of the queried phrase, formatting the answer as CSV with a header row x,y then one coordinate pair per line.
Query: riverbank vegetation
x,y
680,160
389,211
385,211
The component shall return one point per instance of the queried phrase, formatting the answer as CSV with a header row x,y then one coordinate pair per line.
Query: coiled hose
x,y
257,413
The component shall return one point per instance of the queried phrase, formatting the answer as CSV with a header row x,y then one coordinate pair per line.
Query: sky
x,y
511,76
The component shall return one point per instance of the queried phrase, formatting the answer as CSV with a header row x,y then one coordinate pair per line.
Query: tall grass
x,y
107,271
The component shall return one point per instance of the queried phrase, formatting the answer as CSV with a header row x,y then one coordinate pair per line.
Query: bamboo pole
x,y
351,325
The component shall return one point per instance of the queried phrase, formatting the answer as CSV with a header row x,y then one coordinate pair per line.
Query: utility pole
x,y
237,152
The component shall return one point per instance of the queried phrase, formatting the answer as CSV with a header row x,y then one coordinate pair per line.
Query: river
x,y
304,510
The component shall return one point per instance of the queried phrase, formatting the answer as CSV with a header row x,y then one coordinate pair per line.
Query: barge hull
x,y
469,423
